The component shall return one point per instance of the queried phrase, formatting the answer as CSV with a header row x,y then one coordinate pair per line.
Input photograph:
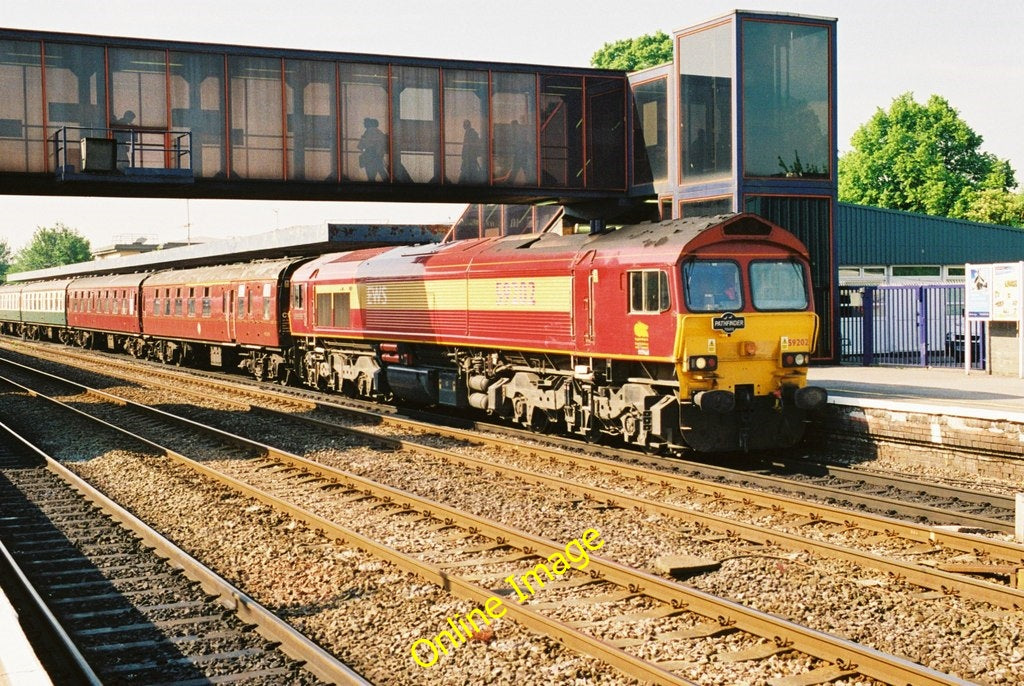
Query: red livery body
x,y
692,333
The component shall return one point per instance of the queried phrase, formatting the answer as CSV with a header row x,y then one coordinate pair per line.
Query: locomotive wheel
x,y
364,385
519,410
630,422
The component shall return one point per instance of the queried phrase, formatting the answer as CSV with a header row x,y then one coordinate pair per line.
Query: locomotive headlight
x,y
702,363
795,359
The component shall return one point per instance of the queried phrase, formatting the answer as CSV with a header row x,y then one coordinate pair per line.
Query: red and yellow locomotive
x,y
690,333
685,333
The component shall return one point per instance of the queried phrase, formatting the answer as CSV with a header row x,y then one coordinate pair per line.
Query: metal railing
x,y
120,151
907,326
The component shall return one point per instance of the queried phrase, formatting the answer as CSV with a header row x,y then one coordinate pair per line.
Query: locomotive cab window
x,y
712,286
648,291
778,285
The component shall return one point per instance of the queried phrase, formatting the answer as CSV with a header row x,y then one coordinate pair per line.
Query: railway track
x,y
129,606
856,489
658,597
944,561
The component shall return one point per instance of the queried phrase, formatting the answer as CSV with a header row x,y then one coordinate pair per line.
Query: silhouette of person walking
x,y
521,156
373,145
471,172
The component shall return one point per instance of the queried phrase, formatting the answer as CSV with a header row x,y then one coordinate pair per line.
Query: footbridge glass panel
x,y
221,121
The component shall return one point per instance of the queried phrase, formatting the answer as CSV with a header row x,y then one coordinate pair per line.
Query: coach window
x,y
206,301
648,291
131,302
241,300
712,286
266,302
156,302
167,301
191,302
177,302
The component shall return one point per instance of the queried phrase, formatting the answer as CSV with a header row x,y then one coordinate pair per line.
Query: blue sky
x,y
970,53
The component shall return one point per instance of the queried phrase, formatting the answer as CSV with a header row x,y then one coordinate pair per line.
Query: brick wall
x,y
922,441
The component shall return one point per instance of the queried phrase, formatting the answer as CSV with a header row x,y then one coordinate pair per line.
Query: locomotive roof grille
x,y
747,226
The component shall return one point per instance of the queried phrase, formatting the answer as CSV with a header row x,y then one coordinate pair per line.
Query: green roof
x,y
871,235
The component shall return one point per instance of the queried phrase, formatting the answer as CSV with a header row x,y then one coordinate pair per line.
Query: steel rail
x,y
921,575
964,542
947,582
904,483
293,643
433,573
52,626
877,502
848,655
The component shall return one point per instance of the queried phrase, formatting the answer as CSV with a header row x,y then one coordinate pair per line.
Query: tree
x,y
632,54
52,247
921,158
5,260
994,206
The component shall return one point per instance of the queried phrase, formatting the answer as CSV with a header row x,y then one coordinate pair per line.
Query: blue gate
x,y
907,326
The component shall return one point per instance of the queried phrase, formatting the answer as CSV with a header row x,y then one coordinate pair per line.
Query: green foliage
x,y
633,54
5,260
994,206
52,247
922,158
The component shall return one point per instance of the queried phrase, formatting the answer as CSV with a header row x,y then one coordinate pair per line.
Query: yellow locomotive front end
x,y
743,348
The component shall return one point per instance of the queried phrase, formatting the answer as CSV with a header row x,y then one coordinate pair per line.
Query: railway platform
x,y
927,418
978,393
19,665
